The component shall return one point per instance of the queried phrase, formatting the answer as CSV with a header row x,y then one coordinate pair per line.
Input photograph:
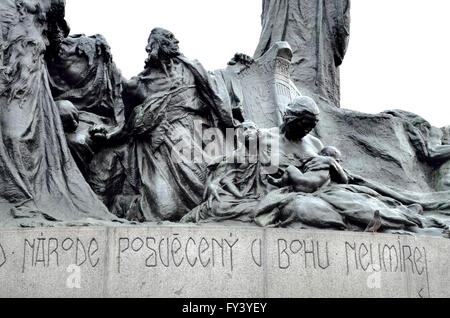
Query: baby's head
x,y
331,152
249,129
247,134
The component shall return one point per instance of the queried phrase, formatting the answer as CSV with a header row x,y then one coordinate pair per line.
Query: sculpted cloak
x,y
166,166
82,71
38,176
318,32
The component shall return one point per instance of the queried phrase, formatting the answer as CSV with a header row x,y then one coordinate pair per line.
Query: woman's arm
x,y
338,173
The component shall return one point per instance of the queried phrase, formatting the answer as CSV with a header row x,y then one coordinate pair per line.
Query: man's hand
x,y
98,133
241,59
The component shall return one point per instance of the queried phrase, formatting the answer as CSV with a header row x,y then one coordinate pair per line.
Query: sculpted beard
x,y
160,52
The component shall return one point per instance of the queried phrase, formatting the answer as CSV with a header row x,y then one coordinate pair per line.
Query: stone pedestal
x,y
219,262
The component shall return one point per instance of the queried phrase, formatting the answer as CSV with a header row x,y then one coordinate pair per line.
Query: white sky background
x,y
399,53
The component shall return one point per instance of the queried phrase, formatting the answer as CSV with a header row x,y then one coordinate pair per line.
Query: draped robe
x,y
38,176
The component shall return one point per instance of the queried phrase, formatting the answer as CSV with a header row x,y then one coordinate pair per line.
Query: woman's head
x,y
301,117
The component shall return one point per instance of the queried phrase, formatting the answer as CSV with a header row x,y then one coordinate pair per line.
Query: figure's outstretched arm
x,y
104,138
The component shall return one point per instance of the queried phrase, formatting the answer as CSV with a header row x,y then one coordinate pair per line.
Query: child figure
x,y
313,179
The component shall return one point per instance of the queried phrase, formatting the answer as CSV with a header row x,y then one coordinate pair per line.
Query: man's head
x,y
162,44
301,117
331,152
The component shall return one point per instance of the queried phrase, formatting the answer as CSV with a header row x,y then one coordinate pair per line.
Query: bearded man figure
x,y
169,104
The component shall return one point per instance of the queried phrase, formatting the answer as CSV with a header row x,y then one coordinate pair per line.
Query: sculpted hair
x,y
155,46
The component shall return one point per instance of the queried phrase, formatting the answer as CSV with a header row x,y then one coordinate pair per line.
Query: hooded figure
x,y
39,180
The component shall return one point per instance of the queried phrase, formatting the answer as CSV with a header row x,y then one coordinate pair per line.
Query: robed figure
x,y
39,180
318,32
168,107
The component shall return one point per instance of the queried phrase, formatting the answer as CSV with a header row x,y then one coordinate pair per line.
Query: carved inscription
x,y
227,253
176,250
387,257
283,67
305,253
2,256
45,252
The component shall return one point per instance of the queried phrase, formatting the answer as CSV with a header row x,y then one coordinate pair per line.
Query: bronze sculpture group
x,y
80,144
